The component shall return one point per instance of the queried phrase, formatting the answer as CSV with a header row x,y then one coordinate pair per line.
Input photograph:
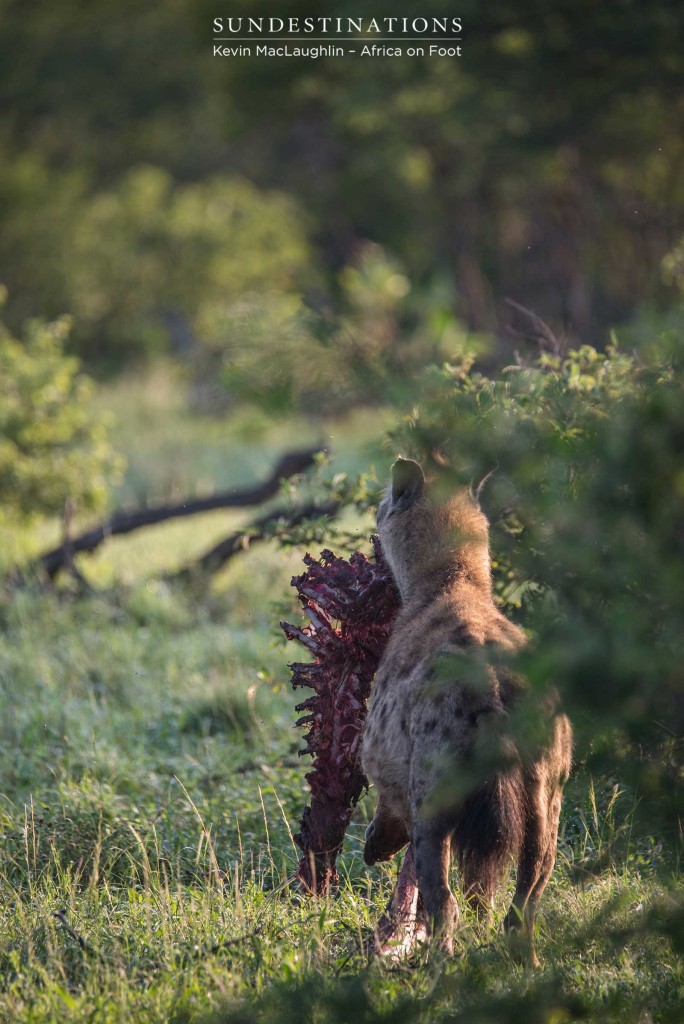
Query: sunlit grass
x,y
150,789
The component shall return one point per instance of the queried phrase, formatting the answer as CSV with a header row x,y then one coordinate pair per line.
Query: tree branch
x,y
259,529
125,522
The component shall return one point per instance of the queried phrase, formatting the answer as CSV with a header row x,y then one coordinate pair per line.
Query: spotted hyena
x,y
448,773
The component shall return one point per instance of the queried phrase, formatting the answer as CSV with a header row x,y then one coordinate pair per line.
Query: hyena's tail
x,y
489,832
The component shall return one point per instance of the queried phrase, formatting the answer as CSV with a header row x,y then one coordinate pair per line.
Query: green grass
x,y
171,451
150,787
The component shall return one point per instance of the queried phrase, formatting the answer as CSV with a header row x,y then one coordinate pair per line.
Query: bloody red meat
x,y
350,606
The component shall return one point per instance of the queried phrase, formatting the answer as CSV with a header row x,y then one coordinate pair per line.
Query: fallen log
x,y
122,522
259,529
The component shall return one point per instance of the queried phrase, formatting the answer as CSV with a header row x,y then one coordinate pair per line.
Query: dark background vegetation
x,y
546,165
478,262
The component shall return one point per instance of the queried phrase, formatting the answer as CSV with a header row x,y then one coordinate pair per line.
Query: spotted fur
x,y
437,746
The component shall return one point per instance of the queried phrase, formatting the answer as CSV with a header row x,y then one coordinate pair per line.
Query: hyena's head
x,y
429,542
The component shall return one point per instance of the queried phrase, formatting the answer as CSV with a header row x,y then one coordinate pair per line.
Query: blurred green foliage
x,y
545,164
277,352
587,503
52,445
146,261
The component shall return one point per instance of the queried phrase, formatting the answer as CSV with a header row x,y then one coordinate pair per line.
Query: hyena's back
x,y
440,699
423,717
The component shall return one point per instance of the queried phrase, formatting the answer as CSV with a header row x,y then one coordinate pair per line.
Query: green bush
x,y
277,351
148,258
587,503
52,445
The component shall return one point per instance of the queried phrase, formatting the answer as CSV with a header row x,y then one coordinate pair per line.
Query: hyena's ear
x,y
476,493
407,483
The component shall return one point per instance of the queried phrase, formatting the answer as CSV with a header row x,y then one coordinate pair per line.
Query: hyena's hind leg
x,y
535,865
432,850
544,791
386,835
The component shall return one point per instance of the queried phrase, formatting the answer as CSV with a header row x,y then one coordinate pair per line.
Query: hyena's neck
x,y
463,578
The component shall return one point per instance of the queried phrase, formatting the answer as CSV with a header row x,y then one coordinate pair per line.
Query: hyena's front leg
x,y
386,835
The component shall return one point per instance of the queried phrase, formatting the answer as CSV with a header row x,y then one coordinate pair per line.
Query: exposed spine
x,y
350,606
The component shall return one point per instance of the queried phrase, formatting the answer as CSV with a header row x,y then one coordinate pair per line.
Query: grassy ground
x,y
150,788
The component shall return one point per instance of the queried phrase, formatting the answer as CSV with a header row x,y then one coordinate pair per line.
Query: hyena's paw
x,y
384,837
520,939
